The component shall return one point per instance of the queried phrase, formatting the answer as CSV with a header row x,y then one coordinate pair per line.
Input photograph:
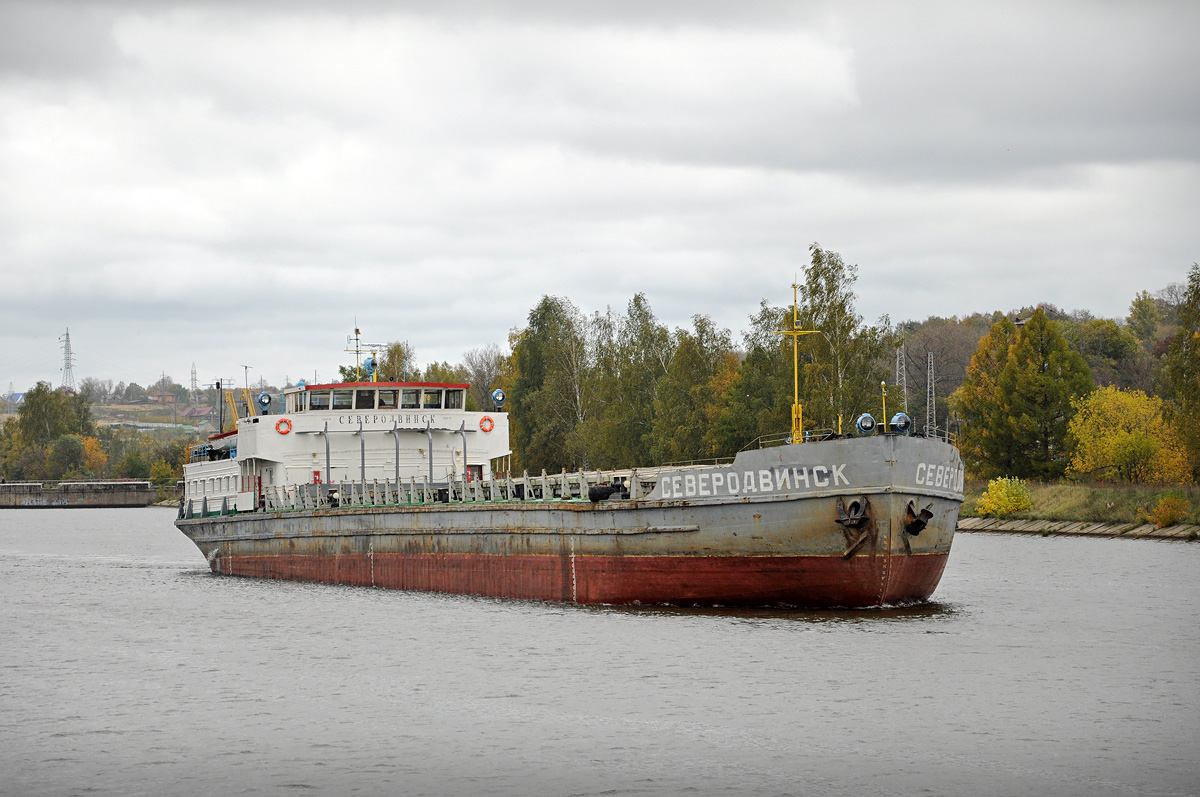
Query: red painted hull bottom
x,y
803,581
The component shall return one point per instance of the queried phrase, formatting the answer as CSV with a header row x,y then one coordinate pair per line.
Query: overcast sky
x,y
229,184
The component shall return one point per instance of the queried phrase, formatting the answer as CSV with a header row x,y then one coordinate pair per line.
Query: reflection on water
x,y
1044,666
879,614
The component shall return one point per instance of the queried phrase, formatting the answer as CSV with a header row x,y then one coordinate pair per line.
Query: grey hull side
x,y
790,544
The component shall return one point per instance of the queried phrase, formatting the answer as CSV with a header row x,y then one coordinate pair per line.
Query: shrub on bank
x,y
1004,497
1172,509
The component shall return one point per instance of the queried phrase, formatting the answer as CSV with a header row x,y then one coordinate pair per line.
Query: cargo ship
x,y
398,485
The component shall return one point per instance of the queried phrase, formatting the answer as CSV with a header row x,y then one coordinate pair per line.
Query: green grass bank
x,y
1094,503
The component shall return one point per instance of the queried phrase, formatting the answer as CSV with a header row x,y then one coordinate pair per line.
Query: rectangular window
x,y
388,399
343,399
410,399
432,400
318,400
364,399
454,399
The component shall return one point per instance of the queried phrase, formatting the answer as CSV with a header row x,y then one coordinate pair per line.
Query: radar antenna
x,y
359,349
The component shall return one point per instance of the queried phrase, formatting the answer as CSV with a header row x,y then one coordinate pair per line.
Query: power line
x,y
930,398
68,369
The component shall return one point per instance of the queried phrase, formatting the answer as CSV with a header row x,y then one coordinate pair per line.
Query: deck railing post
x,y
326,434
396,438
362,453
429,436
462,432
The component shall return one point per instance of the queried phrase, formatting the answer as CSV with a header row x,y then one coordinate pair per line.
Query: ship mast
x,y
357,352
795,332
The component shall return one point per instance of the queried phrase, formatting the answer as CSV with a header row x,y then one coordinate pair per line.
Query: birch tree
x,y
688,392
633,353
842,365
552,397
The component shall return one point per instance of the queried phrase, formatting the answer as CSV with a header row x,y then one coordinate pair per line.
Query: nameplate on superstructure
x,y
404,420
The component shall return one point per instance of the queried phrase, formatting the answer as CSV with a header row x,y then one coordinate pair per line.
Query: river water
x,y
1066,666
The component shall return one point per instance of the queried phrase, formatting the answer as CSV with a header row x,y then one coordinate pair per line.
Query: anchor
x,y
915,522
850,518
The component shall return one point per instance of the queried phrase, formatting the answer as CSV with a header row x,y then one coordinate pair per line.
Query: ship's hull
x,y
794,581
797,546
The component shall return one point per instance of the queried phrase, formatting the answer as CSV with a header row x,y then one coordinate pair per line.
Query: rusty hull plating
x,y
848,522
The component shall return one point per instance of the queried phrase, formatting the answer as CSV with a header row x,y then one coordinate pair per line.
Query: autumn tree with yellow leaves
x,y
1122,435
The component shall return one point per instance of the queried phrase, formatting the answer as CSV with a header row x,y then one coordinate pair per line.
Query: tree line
x,y
1036,393
54,436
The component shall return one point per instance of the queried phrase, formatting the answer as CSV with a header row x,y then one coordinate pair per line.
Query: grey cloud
x,y
254,177
55,39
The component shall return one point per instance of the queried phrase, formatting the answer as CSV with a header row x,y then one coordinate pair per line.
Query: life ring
x,y
486,423
283,426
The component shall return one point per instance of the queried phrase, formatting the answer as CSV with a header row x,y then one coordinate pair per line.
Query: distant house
x,y
199,414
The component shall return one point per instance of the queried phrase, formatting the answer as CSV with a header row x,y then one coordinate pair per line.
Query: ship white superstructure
x,y
348,432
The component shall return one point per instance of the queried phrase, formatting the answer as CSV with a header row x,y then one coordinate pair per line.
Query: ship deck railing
x,y
772,440
565,486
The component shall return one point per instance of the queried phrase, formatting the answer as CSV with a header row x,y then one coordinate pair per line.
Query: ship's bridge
x,y
375,396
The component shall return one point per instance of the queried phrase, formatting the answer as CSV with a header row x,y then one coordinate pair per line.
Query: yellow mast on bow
x,y
795,332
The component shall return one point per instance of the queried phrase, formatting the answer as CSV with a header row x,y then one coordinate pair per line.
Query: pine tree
x,y
1041,379
986,440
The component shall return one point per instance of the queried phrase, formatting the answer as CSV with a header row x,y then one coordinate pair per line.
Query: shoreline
x,y
1046,528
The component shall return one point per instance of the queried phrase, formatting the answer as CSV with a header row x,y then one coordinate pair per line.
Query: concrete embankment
x,y
1066,527
28,495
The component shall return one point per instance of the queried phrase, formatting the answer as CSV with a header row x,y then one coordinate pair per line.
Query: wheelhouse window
x,y
364,399
410,399
388,399
343,399
454,399
431,400
318,400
